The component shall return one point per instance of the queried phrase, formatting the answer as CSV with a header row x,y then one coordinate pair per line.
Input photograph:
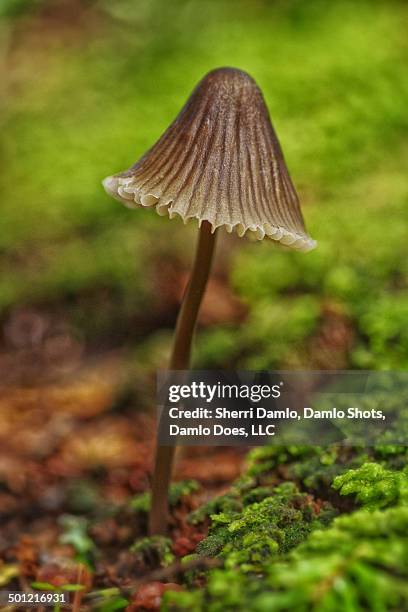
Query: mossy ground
x,y
291,550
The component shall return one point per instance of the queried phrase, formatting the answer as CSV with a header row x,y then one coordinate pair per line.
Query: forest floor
x,y
75,449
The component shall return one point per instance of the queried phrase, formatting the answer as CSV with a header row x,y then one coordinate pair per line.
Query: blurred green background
x,y
89,85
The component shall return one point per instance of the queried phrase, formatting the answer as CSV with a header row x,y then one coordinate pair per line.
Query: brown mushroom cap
x,y
219,161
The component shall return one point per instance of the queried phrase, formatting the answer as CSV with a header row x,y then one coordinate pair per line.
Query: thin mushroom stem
x,y
180,360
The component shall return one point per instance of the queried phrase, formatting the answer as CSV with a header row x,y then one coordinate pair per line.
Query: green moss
x,y
153,551
275,327
314,468
218,346
281,548
181,489
358,563
284,549
262,529
374,486
339,110
225,505
266,458
178,490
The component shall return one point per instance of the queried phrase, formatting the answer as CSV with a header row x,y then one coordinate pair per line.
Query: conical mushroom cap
x,y
219,161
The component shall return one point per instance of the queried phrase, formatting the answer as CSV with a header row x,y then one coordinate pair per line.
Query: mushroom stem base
x,y
180,360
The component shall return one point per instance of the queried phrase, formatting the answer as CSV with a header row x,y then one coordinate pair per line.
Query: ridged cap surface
x,y
219,161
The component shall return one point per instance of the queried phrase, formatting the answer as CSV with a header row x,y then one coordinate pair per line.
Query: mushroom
x,y
219,162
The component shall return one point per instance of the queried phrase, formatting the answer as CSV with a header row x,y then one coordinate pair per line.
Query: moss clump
x,y
266,458
181,489
178,490
153,551
242,492
263,529
374,486
229,505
